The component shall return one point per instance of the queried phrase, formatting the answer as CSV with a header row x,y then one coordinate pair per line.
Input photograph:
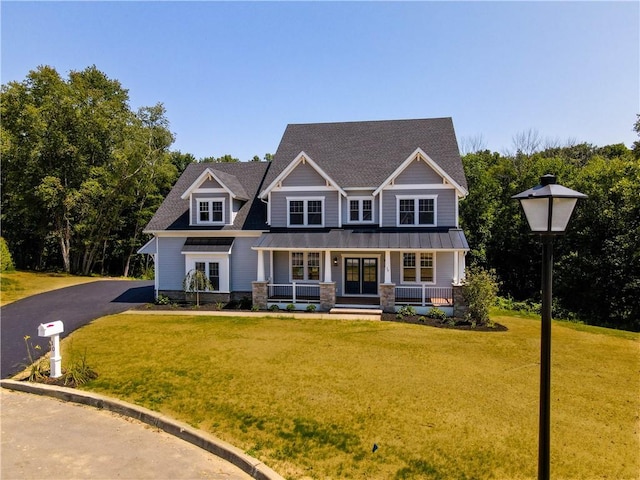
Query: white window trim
x,y
210,201
416,215
359,199
222,259
417,267
305,264
305,213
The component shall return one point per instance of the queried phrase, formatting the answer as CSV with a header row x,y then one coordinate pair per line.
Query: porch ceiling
x,y
452,239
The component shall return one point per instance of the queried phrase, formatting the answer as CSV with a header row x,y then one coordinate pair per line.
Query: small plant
x,y
163,300
219,305
78,372
254,308
422,319
436,313
407,311
274,308
196,281
291,307
399,316
311,308
38,369
451,322
245,303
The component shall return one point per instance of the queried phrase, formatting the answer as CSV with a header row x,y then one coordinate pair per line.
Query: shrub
x,y
163,300
78,372
6,262
254,308
219,305
422,319
291,307
479,292
407,311
436,313
311,308
274,308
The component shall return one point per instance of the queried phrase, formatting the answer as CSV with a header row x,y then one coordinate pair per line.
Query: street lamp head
x,y
548,206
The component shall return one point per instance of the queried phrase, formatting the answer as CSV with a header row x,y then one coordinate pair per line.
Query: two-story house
x,y
353,214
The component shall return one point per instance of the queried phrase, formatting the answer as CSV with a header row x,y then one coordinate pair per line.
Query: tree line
x,y
597,262
82,174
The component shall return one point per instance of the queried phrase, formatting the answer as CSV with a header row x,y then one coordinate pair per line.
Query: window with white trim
x,y
305,212
305,266
416,211
418,267
360,210
211,270
210,210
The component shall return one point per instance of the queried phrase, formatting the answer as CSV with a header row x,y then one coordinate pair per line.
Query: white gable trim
x,y
420,154
302,157
207,174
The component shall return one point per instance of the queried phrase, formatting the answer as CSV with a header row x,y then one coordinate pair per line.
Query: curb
x,y
211,444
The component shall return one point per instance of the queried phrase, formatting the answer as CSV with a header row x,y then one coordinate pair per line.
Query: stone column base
x,y
260,294
460,307
327,296
388,297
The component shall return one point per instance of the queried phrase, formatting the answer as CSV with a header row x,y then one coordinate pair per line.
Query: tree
x,y
224,159
196,281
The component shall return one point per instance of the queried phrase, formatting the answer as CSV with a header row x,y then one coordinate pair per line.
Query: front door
x,y
361,276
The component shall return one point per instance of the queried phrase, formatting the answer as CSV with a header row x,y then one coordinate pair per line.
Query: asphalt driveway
x,y
75,306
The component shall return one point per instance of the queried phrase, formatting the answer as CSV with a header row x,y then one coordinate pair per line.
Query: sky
x,y
232,75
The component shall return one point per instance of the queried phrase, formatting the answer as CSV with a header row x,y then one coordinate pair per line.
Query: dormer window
x,y
210,210
360,209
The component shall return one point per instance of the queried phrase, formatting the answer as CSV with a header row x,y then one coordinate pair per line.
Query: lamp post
x,y
548,208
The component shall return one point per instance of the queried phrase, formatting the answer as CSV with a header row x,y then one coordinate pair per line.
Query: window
x,y
211,211
210,270
417,211
305,266
361,210
306,212
418,267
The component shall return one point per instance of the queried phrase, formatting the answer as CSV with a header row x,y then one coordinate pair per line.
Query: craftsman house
x,y
354,214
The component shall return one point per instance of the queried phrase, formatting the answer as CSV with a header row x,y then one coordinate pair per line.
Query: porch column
x,y
260,275
260,294
327,266
387,266
327,296
456,268
461,266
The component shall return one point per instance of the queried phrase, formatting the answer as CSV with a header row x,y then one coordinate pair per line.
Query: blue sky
x,y
233,75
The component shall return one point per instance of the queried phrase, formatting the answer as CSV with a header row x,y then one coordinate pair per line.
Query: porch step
x,y
356,311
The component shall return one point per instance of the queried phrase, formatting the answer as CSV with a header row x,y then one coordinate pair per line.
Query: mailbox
x,y
50,329
53,330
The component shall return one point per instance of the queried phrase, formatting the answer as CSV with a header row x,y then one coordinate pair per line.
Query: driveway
x,y
75,306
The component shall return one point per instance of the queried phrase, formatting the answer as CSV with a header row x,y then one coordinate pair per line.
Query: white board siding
x,y
170,263
446,209
304,175
418,172
279,210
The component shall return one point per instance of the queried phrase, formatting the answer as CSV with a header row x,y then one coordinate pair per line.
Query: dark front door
x,y
361,276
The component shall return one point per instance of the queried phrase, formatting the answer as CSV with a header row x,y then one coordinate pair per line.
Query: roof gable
x,y
365,154
227,181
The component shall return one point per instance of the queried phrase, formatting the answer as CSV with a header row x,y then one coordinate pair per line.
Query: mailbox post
x,y
53,331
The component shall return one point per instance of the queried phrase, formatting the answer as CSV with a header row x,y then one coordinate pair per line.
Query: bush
x,y
6,262
479,292
163,300
311,308
407,311
291,307
274,308
436,313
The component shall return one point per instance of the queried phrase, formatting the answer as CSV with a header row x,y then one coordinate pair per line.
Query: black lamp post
x,y
548,208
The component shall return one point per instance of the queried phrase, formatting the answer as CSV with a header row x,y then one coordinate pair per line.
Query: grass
x,y
19,284
310,398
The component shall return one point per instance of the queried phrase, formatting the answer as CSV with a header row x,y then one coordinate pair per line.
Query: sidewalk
x,y
43,437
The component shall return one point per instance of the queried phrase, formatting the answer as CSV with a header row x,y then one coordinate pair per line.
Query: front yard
x,y
311,397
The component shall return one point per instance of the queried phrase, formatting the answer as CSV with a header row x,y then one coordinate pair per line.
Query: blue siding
x,y
446,208
304,175
279,206
418,172
244,264
170,267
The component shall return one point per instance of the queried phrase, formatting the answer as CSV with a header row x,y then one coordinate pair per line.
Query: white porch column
x,y
461,266
456,269
327,266
260,274
387,266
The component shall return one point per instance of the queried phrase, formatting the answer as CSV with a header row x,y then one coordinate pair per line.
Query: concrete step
x,y
356,311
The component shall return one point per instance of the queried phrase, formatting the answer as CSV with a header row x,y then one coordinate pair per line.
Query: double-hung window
x,y
305,266
418,267
211,271
210,210
416,211
360,210
305,212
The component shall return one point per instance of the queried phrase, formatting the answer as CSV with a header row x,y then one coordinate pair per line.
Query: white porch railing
x,y
294,292
424,295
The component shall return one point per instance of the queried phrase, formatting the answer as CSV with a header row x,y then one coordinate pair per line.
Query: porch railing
x,y
424,295
294,292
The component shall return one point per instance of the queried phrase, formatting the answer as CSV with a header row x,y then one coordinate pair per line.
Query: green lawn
x,y
17,285
311,397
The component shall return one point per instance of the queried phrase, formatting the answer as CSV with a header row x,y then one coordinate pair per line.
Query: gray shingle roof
x,y
355,239
173,213
365,154
232,183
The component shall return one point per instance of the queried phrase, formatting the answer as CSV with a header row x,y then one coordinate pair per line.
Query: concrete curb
x,y
280,315
226,451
